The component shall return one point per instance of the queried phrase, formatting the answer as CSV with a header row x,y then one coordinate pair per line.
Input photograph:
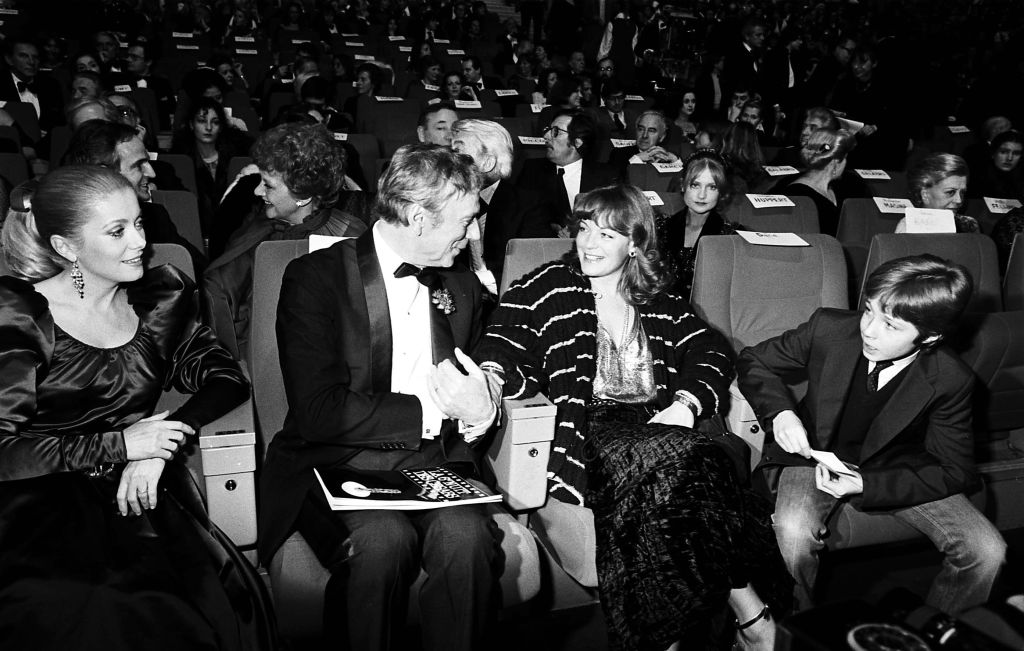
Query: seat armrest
x,y
227,449
518,455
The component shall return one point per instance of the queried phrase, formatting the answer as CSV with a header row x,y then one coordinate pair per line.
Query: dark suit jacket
x,y
606,126
51,102
919,447
538,174
512,213
334,336
160,229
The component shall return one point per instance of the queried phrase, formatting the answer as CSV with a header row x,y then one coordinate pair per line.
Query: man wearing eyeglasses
x,y
569,167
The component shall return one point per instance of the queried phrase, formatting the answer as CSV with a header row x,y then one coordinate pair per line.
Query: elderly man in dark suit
x,y
506,212
894,406
569,168
20,82
370,331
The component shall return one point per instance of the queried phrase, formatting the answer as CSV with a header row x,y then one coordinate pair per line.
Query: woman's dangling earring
x,y
77,280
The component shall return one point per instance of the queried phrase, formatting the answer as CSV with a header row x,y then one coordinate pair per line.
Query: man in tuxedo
x,y
614,120
569,169
471,70
505,212
22,83
894,406
744,66
370,331
140,66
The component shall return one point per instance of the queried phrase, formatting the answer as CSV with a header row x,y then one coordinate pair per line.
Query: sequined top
x,y
625,374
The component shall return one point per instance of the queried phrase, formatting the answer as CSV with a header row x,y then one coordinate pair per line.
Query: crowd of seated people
x,y
412,128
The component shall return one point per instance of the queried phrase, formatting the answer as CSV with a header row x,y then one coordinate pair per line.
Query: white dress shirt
x,y
890,372
572,178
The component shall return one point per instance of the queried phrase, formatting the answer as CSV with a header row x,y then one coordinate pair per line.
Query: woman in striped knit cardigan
x,y
631,369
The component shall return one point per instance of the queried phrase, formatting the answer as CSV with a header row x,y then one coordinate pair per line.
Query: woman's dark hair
x,y
308,158
561,92
184,140
542,80
376,78
625,210
57,204
925,291
426,62
199,80
741,148
1006,136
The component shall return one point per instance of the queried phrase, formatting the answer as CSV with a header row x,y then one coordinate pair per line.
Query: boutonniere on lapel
x,y
442,300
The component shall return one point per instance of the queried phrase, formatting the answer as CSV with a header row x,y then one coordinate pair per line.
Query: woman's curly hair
x,y
307,157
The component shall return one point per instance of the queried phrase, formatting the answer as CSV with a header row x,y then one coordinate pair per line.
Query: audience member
x,y
1005,232
824,160
139,65
887,397
1000,175
651,147
87,85
416,411
939,181
563,96
473,74
816,117
744,65
613,116
684,118
746,160
23,83
435,124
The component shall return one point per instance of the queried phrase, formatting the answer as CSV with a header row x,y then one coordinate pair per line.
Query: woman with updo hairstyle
x,y
104,540
706,189
288,193
939,182
682,549
824,159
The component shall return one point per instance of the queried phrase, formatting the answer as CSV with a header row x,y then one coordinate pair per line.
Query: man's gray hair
x,y
494,141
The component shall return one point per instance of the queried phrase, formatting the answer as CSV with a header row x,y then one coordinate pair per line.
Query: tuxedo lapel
x,y
837,376
377,313
906,402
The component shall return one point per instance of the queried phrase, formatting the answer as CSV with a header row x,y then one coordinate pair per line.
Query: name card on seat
x,y
873,174
153,155
653,198
442,41
187,47
433,89
668,167
122,88
634,98
537,108
246,52
456,52
780,170
770,200
340,136
181,34
363,57
468,104
959,128
354,44
505,92
772,239
930,220
396,38
1000,206
892,206
244,39
532,140
621,143
387,98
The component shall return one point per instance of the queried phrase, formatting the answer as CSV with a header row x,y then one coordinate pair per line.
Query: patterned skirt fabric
x,y
675,532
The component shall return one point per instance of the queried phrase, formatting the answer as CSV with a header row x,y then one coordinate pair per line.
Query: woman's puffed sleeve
x,y
26,333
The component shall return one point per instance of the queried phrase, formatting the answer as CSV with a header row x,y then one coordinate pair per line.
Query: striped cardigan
x,y
543,335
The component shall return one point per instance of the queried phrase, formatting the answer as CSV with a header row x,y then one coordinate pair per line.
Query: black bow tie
x,y
427,276
29,86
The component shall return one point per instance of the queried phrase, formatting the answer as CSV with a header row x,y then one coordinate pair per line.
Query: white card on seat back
x,y
317,242
780,170
769,200
1000,206
930,220
653,198
892,206
873,174
772,239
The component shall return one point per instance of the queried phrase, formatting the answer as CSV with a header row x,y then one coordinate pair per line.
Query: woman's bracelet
x,y
686,401
765,614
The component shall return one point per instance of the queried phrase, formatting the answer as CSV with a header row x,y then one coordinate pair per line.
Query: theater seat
x,y
1013,279
800,218
297,579
526,254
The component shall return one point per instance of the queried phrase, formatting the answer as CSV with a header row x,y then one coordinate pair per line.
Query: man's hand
x,y
837,485
465,397
790,433
657,154
674,414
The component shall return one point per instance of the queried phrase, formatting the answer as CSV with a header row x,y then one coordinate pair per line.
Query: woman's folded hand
x,y
155,438
139,482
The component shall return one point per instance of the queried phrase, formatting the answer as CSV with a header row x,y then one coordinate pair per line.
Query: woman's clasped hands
x,y
148,444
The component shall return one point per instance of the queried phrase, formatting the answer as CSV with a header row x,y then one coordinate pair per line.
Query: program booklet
x,y
348,489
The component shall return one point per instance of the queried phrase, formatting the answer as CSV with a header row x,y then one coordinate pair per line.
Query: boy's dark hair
x,y
924,290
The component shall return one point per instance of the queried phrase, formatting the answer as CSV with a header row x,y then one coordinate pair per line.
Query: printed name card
x,y
1000,206
432,88
386,98
141,83
772,239
653,198
467,104
442,41
537,108
246,52
152,155
634,98
340,136
299,41
892,206
850,125
958,128
8,12
780,170
343,35
244,39
456,52
354,44
405,48
929,220
122,88
227,112
665,168
436,100
396,38
363,57
186,47
769,200
505,92
181,34
620,143
532,140
873,174
3,103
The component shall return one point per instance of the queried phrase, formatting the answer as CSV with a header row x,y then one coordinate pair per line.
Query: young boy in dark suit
x,y
894,405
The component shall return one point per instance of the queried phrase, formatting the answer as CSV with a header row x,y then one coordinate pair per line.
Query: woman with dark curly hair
x,y
633,372
705,187
297,172
207,137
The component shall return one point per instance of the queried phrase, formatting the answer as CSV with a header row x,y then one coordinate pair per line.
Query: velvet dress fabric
x,y
74,573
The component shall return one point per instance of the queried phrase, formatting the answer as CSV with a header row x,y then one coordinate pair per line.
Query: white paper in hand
x,y
832,462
